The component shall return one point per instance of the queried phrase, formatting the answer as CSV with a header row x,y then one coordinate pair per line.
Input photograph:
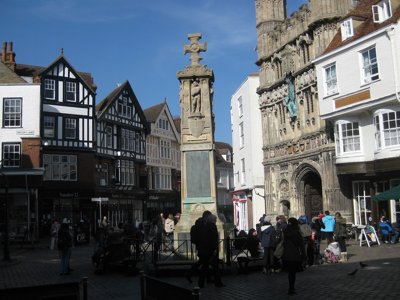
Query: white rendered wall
x,y
383,91
348,69
252,147
30,127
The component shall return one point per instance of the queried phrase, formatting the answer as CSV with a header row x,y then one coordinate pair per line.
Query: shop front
x,y
162,202
242,210
19,203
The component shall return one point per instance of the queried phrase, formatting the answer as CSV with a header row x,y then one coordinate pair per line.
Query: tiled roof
x,y
363,13
221,162
8,76
177,122
32,71
28,70
223,147
103,104
153,112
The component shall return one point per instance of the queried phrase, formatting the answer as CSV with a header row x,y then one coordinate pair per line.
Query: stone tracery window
x,y
305,52
309,101
278,68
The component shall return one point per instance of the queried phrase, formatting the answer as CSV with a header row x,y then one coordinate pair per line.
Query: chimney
x,y
3,52
8,56
11,54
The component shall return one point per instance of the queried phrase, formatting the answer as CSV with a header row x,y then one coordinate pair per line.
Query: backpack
x,y
268,237
274,238
195,232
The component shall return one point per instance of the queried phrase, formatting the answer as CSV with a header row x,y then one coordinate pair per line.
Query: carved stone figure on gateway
x,y
290,99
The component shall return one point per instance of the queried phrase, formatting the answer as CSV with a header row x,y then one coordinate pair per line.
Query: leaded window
x,y
12,112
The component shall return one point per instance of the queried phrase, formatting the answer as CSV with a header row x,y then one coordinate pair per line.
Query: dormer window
x,y
347,29
382,11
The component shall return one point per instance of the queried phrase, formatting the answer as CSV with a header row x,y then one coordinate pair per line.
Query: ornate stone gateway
x,y
312,195
298,146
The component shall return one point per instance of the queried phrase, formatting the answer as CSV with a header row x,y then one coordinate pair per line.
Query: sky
x,y
140,41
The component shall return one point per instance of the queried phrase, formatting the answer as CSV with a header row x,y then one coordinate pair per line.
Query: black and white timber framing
x,y
68,107
120,117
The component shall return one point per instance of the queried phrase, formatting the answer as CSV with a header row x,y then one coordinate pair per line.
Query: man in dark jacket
x,y
196,238
207,248
268,241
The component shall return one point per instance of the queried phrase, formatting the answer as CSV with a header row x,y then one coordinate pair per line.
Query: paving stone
x,y
379,280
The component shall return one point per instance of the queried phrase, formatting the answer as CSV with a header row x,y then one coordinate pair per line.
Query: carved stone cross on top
x,y
195,48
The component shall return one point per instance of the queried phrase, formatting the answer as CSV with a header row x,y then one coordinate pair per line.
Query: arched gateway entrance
x,y
309,187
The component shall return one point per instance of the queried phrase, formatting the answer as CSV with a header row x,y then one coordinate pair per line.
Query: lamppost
x,y
6,254
145,200
100,200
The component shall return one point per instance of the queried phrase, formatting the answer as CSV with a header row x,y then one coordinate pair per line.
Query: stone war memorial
x,y
198,186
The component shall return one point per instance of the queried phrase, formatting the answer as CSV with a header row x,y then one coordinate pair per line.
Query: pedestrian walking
x,y
64,245
293,252
327,232
316,227
268,242
340,234
195,232
169,232
207,247
305,231
280,226
55,226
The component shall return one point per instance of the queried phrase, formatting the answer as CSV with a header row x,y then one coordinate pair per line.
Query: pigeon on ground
x,y
353,272
362,265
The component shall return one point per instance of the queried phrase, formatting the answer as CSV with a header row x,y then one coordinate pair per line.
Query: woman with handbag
x,y
293,252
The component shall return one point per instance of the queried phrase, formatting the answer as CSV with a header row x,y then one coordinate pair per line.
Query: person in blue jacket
x,y
388,231
327,232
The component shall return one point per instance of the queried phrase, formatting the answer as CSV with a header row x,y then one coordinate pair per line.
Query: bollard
x,y
84,284
228,250
196,293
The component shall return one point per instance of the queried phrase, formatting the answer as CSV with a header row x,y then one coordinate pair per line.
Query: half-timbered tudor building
x,y
163,161
20,171
68,141
121,156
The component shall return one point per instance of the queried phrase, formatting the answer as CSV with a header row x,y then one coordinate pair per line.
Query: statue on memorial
x,y
196,97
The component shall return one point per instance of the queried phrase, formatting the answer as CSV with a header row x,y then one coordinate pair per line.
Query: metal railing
x,y
153,251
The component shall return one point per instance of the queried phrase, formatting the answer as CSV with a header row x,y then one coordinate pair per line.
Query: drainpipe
x,y
391,32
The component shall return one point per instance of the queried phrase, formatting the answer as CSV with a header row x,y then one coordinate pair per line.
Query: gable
x,y
121,106
165,114
62,68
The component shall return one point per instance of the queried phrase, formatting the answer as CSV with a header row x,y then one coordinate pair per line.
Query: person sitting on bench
x,y
389,234
249,247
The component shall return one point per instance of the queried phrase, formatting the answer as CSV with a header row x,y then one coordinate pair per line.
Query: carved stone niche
x,y
288,59
302,146
289,149
284,186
